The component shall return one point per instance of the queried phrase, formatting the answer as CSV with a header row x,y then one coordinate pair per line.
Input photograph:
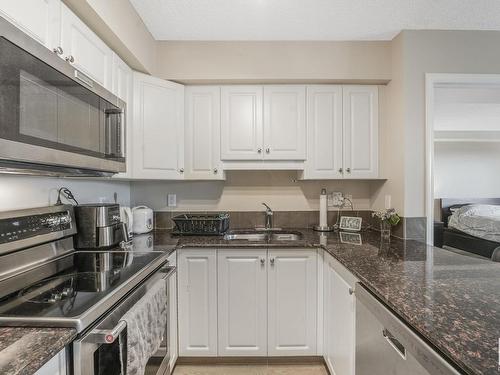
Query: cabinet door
x,y
158,144
324,132
360,131
241,109
197,298
122,87
55,366
40,19
87,52
242,305
339,323
284,122
173,331
292,302
203,133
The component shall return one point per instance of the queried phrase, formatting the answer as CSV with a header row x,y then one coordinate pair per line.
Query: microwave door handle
x,y
107,336
114,131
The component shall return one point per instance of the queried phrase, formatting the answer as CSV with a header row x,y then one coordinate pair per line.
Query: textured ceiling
x,y
311,19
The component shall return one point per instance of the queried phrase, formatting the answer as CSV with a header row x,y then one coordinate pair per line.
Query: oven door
x,y
98,351
52,114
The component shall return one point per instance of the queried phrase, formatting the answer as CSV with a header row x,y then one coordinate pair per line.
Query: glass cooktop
x,y
71,286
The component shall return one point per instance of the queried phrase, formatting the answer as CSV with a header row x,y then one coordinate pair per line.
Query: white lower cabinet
x,y
242,302
55,366
197,298
293,303
173,330
339,318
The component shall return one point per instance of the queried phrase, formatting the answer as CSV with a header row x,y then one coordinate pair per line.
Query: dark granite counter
x,y
451,300
24,350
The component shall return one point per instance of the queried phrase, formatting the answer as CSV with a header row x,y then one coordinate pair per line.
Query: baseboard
x,y
298,360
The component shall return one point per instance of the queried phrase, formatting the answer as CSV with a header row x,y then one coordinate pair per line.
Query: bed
x,y
471,229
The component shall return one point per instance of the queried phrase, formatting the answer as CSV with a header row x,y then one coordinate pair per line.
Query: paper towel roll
x,y
323,209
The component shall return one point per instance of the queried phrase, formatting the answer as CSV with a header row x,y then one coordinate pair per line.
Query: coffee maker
x,y
99,226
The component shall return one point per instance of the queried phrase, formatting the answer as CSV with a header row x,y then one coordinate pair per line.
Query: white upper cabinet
x,y
242,132
158,128
197,299
360,127
293,302
242,302
324,132
40,19
122,87
202,130
284,122
85,50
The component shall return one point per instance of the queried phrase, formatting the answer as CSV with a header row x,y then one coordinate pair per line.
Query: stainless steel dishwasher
x,y
387,346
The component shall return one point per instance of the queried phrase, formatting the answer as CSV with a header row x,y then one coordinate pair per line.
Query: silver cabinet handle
x,y
259,150
272,261
348,170
105,336
216,170
394,342
70,59
268,150
181,170
351,291
262,261
58,51
341,170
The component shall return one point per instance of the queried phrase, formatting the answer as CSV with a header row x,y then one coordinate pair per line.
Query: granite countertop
x,y
452,300
24,350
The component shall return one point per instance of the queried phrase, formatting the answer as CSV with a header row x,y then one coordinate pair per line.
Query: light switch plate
x,y
171,200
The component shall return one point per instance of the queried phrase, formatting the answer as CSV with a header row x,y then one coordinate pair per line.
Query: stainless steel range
x,y
45,282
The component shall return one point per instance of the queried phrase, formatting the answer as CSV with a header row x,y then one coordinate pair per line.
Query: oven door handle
x,y
107,336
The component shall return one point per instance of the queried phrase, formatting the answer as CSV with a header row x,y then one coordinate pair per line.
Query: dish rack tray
x,y
201,224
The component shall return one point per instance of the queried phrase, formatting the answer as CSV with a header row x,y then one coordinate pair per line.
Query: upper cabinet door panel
x,y
241,126
203,133
87,51
158,128
40,19
360,131
284,122
122,79
324,132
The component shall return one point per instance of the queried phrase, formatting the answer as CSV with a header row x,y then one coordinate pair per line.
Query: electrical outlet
x,y
171,200
337,199
388,201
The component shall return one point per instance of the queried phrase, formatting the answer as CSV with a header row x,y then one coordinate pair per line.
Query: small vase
x,y
385,230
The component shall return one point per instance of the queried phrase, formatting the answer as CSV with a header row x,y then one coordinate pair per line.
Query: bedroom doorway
x,y
462,140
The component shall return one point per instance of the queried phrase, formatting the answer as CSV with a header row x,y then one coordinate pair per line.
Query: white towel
x,y
146,323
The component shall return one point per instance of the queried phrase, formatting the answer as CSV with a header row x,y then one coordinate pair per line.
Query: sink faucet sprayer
x,y
269,216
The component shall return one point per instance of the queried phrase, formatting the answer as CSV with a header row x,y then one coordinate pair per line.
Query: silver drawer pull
x,y
108,336
84,79
396,345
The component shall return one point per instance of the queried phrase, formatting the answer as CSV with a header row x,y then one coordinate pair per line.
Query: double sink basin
x,y
259,235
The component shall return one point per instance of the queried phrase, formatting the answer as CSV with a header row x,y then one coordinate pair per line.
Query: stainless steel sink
x,y
263,236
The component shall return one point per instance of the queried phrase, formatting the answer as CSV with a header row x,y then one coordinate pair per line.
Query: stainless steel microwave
x,y
54,119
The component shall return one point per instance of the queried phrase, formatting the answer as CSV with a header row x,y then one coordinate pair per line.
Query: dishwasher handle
x,y
394,343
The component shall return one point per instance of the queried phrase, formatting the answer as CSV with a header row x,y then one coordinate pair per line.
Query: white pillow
x,y
478,210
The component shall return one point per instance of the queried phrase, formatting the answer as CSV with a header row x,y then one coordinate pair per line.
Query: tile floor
x,y
250,370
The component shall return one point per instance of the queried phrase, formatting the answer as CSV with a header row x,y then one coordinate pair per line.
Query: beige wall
x,y
202,62
119,25
246,190
436,52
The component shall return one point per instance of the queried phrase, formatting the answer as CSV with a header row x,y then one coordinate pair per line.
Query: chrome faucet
x,y
269,216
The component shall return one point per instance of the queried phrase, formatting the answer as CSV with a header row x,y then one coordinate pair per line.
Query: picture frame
x,y
350,223
350,238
